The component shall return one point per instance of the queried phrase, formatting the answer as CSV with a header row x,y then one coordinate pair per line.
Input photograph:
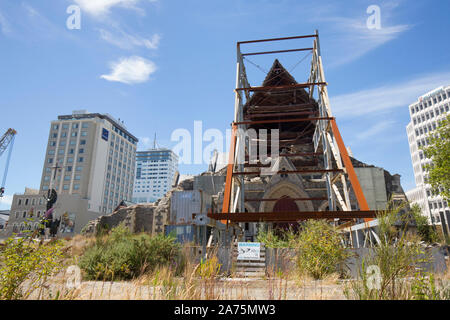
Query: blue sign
x,y
105,134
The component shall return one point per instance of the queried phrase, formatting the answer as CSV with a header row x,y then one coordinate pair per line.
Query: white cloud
x,y
131,70
374,130
350,36
387,97
6,201
355,39
4,25
127,41
102,7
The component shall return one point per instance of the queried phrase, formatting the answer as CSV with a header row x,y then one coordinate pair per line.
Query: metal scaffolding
x,y
337,166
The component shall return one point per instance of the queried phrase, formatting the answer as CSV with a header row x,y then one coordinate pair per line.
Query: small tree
x,y
438,151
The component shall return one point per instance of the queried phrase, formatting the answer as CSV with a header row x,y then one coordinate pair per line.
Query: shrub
x,y
273,239
320,249
26,265
122,255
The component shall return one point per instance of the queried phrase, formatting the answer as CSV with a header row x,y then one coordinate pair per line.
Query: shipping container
x,y
183,233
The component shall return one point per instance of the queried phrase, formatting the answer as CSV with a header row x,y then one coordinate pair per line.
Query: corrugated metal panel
x,y
183,205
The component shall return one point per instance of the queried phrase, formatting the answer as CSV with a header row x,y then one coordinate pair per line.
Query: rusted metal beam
x,y
292,216
283,120
278,39
286,87
289,107
362,202
295,199
280,114
290,172
303,154
228,180
277,51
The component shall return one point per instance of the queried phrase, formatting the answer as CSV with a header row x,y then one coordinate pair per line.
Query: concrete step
x,y
250,274
250,269
258,264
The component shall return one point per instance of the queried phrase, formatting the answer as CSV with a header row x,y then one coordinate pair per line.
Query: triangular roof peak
x,y
278,76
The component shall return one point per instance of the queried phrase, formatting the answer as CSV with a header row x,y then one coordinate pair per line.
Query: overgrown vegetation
x,y
320,250
438,150
425,231
273,239
25,265
123,255
395,270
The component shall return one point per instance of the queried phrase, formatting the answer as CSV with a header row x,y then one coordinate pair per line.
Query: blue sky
x,y
159,65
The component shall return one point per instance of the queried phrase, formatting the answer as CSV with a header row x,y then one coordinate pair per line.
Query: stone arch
x,y
324,205
285,189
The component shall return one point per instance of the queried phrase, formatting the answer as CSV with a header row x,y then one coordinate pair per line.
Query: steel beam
x,y
291,216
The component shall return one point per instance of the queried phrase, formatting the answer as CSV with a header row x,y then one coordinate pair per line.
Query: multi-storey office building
x,y
155,170
426,113
91,155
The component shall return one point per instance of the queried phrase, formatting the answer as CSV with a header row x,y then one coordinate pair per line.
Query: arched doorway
x,y
285,204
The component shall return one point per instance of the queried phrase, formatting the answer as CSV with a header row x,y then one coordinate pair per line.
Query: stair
x,y
250,268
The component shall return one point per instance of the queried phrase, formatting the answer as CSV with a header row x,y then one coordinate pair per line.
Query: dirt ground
x,y
230,289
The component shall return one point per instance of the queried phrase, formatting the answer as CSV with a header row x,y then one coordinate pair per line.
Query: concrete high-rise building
x,y
426,113
91,155
155,170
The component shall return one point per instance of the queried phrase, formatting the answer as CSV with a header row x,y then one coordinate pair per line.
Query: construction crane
x,y
6,140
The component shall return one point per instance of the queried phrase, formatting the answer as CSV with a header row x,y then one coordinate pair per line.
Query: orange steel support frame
x,y
228,182
331,140
362,202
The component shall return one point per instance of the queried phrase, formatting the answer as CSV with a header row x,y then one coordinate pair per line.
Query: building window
x,y
74,134
80,159
82,142
75,126
50,160
81,151
76,187
85,125
66,187
83,133
55,127
77,177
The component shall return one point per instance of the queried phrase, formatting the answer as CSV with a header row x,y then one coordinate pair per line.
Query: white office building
x,y
155,170
90,155
425,115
